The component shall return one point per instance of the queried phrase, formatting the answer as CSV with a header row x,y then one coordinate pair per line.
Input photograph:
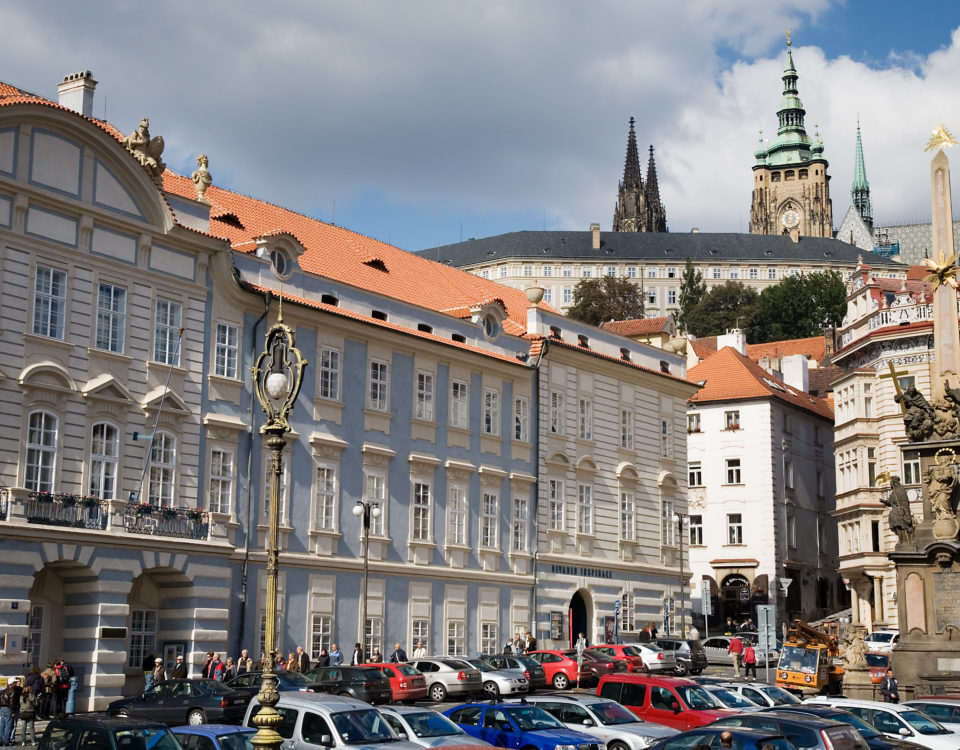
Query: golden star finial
x,y
941,137
788,37
942,271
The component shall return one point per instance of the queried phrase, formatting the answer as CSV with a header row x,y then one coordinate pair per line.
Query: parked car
x,y
715,647
882,640
806,732
366,683
743,739
878,663
518,725
214,737
106,733
874,739
560,670
248,683
497,682
765,695
896,720
688,653
448,676
674,701
599,663
731,698
655,659
531,669
427,728
606,720
319,721
945,711
406,683
175,702
630,655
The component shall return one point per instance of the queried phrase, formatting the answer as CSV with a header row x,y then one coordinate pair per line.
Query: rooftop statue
x,y
941,481
201,177
147,150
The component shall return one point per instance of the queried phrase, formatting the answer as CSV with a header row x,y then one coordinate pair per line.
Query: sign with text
x,y
767,626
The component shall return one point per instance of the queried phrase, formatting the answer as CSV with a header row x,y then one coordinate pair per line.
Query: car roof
x,y
106,721
212,730
399,708
567,697
841,702
638,677
944,700
321,700
799,719
743,731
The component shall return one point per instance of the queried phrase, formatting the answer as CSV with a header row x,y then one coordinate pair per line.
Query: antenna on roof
x,y
333,212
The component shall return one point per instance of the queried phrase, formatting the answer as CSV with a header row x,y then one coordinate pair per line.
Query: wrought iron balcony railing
x,y
184,523
60,509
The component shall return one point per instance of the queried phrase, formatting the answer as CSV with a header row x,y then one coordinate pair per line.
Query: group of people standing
x,y
521,644
42,695
742,654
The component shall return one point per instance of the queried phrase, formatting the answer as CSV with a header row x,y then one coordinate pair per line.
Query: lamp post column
x,y
364,510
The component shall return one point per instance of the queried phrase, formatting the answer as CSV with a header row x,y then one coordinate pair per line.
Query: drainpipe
x,y
267,296
536,495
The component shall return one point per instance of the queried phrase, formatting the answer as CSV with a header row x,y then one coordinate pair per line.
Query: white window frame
x,y
104,460
585,509
227,351
167,321
49,302
457,515
111,318
421,528
43,440
585,419
142,639
329,366
567,295
734,471
556,506
628,516
731,420
696,530
325,496
491,411
419,631
489,520
162,474
626,429
666,440
911,467
456,637
220,480
375,491
668,524
734,528
694,474
628,612
424,400
459,404
556,412
521,419
489,638
520,521
378,388
372,636
321,634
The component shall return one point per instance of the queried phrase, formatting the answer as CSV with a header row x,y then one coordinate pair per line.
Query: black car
x,y
874,739
364,683
248,683
532,669
709,736
176,702
807,732
690,654
104,732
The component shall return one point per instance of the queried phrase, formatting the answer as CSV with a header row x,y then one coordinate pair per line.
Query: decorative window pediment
x,y
47,376
172,403
105,387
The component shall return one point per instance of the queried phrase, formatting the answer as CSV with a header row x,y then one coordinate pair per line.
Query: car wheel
x,y
679,670
344,694
696,671
490,689
195,716
438,693
560,681
617,746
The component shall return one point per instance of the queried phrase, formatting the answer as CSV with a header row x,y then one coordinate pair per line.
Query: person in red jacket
x,y
735,649
749,661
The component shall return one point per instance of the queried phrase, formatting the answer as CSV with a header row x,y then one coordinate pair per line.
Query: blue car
x,y
214,737
521,726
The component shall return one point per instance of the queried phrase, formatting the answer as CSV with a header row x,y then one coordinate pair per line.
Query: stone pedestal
x,y
857,684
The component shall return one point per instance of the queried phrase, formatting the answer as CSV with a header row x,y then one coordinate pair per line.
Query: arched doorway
x,y
580,606
52,609
734,598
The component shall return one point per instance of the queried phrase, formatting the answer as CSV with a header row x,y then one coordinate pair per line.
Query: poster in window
x,y
608,626
556,625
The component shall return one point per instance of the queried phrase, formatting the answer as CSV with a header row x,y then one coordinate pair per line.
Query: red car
x,y
560,670
406,682
674,701
624,653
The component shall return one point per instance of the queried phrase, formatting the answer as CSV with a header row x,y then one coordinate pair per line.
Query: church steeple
x,y
860,190
656,215
638,208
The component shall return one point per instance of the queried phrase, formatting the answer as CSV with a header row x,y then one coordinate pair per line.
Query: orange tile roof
x,y
812,347
704,347
636,326
730,376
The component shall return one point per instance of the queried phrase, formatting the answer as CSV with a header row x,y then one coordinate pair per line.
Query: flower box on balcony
x,y
42,497
195,514
143,509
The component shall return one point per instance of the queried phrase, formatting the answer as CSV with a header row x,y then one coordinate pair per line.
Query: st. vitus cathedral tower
x,y
639,208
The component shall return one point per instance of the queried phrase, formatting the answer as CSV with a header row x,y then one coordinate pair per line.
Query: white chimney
x,y
595,231
534,297
735,339
76,92
795,372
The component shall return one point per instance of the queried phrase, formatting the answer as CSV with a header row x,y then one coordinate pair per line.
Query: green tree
x,y
727,306
596,301
799,307
692,290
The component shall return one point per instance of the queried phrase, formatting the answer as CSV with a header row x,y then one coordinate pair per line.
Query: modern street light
x,y
682,521
277,376
366,509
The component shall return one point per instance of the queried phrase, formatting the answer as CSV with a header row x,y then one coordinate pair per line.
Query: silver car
x,y
716,648
611,723
497,682
318,721
728,697
448,675
655,659
427,728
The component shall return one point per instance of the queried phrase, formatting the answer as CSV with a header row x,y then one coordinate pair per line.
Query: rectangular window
x,y
872,466
671,296
731,420
321,632
221,481
379,384
373,635
324,513
425,396
111,318
567,295
548,295
693,423
671,272
227,351
420,529
788,473
651,296
628,613
819,483
631,272
168,317
556,412
585,509
586,419
666,444
329,374
548,270
488,521
457,516
611,271
696,531
733,471
867,400
489,638
771,273
694,474
528,270
754,273
33,644
377,493
143,636
586,272
163,466
907,381
49,302
734,528
734,273
491,411
519,520
626,429
791,528
104,458
556,508
715,273
668,525
459,404
420,633
628,517
42,439
456,641
651,273
503,272
521,419
568,271
911,467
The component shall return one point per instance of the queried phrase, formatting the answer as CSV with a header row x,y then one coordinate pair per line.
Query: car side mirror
x,y
904,732
588,722
675,706
326,740
402,735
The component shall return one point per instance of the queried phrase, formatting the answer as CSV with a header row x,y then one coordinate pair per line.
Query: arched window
x,y
163,464
104,452
42,427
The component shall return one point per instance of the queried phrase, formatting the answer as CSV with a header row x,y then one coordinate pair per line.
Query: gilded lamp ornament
x,y
939,138
942,271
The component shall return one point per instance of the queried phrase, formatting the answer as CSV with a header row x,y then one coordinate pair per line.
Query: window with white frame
x,y
503,272
567,295
321,634
628,516
771,273
715,273
731,420
791,528
111,317
42,440
376,492
547,271
268,481
734,528
521,419
489,638
488,520
733,471
163,467
666,444
626,429
373,636
694,474
568,271
420,631
696,531
518,522
585,411
628,612
548,295
788,473
143,636
734,273
754,273
611,271
868,400
104,457
693,423
631,272
556,505
220,484
668,526
651,273
651,296
378,393
528,270
325,505
671,296
556,412
420,523
585,509
457,515
459,404
671,272
49,302
227,350
911,467
456,638
329,366
424,401
586,272
491,411
167,320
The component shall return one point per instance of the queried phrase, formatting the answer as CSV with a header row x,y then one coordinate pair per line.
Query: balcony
x,y
182,523
61,509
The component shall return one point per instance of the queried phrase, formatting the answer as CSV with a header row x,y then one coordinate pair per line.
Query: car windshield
x,y
293,678
407,670
877,660
880,637
236,740
483,666
431,724
922,723
696,697
360,727
215,687
866,731
152,738
653,647
631,651
731,699
455,664
611,714
795,659
779,696
532,718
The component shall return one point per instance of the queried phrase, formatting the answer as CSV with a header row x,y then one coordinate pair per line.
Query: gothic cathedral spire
x,y
656,215
860,190
638,207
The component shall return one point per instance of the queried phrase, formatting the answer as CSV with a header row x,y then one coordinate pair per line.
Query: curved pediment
x,y
627,470
48,376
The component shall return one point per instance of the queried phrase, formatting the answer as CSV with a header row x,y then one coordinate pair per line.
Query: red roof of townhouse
x,y
636,326
812,348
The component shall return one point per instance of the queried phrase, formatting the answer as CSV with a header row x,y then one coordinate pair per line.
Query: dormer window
x,y
329,299
583,340
424,328
624,353
459,338
378,314
280,262
556,332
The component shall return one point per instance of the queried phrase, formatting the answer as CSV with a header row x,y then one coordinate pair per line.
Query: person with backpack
x,y
61,682
9,696
28,715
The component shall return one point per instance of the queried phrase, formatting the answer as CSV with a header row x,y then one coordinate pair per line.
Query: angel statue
x,y
147,150
854,648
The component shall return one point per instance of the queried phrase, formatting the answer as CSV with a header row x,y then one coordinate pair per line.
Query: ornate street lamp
x,y
367,510
277,376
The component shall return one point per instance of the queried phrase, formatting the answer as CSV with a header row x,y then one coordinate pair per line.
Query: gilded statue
x,y
147,150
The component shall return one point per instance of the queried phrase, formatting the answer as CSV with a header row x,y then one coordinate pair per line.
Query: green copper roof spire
x,y
860,190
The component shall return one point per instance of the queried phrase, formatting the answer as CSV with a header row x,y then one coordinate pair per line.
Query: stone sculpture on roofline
x,y
147,150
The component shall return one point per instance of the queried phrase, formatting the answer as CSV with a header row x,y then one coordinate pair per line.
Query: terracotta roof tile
x,y
554,341
812,347
636,326
820,379
704,347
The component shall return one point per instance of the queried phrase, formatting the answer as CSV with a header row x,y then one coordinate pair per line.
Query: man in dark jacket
x,y
889,688
303,660
398,655
179,672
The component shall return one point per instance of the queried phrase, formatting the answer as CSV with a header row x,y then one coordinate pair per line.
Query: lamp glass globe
x,y
277,385
375,512
358,510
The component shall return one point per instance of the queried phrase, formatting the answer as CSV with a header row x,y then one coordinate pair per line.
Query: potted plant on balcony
x,y
42,496
90,501
66,500
168,513
143,509
195,514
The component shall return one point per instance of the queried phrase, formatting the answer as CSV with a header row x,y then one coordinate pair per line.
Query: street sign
x,y
616,607
706,601
767,627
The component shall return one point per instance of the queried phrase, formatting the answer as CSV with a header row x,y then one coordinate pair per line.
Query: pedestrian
x,y
531,643
292,664
229,669
323,659
376,657
28,715
729,628
419,652
8,697
735,649
726,739
46,702
61,685
507,648
518,644
245,663
336,658
890,688
159,673
148,661
581,644
216,668
749,661
398,655
357,657
205,672
303,660
70,706
180,670
36,684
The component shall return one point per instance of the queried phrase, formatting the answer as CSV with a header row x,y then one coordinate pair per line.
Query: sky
x,y
424,122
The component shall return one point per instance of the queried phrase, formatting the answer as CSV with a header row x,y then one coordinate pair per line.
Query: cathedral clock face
x,y
791,218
